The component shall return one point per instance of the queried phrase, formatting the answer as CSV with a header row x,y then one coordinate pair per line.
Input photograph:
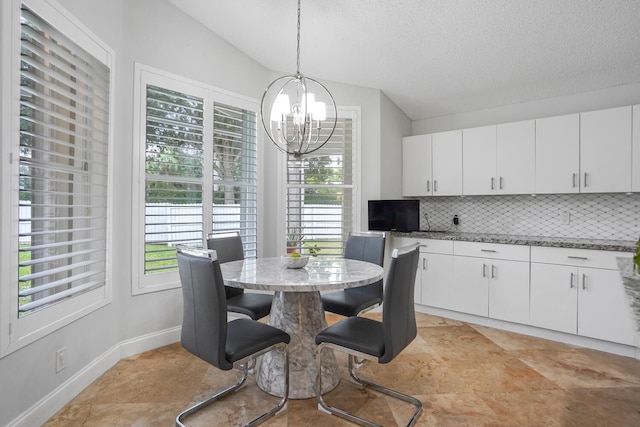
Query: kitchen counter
x,y
557,242
631,281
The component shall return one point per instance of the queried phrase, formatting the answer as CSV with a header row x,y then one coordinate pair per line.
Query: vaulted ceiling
x,y
440,57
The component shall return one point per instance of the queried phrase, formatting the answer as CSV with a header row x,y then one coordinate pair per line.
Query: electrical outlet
x,y
565,218
61,359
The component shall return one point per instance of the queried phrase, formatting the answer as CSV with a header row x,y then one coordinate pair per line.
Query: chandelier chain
x,y
298,50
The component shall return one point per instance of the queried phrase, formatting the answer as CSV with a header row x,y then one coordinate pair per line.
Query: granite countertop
x,y
557,242
631,281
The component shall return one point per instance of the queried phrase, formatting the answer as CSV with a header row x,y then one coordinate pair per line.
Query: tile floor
x,y
466,375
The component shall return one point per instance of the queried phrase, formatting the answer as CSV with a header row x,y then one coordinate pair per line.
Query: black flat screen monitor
x,y
394,215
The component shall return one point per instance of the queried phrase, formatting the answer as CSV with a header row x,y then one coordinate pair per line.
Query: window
x,y
59,175
197,169
320,193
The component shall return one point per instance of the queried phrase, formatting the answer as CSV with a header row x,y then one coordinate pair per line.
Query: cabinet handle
x,y
582,258
493,271
585,180
488,250
574,180
424,263
501,183
492,183
571,281
584,282
484,270
435,185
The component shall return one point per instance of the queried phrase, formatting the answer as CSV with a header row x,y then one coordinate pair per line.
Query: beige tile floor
x,y
466,375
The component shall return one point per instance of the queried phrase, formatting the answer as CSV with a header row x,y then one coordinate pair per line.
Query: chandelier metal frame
x,y
297,129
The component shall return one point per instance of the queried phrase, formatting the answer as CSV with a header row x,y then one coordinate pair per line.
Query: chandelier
x,y
298,113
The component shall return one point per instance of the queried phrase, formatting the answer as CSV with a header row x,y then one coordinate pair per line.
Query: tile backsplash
x,y
592,216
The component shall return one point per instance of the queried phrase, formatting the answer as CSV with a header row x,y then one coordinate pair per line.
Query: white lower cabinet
x,y
580,292
436,277
492,280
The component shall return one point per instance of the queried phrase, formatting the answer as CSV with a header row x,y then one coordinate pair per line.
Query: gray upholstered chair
x,y
373,340
228,246
207,334
366,246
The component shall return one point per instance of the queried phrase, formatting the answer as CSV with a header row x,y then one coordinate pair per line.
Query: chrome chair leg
x,y
243,365
324,407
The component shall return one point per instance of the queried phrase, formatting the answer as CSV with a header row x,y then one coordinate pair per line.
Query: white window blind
x,y
235,196
200,169
63,167
173,169
320,195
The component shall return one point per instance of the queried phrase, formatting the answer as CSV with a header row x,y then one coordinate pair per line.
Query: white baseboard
x,y
46,407
576,340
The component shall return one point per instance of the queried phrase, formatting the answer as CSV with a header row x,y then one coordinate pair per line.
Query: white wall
x,y
394,125
606,98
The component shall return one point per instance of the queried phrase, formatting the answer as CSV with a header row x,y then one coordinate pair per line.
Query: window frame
x,y
17,332
142,283
344,112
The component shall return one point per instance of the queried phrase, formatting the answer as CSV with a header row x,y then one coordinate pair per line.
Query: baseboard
x,y
576,340
44,409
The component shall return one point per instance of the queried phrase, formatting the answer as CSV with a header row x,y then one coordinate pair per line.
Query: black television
x,y
394,215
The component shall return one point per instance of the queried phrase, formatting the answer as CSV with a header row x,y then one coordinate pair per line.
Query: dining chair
x,y
363,246
228,246
374,340
207,334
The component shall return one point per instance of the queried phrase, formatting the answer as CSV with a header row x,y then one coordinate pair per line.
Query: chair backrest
x,y
204,317
365,247
228,246
398,312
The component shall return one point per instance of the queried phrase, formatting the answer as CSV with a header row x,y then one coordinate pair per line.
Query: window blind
x,y
174,170
63,167
320,192
235,196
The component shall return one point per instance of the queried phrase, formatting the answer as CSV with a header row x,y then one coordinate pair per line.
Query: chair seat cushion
x,y
246,337
251,304
348,303
355,333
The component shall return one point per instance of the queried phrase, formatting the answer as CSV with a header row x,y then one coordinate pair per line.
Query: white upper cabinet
x,y
416,166
605,151
558,154
635,165
515,154
479,160
499,159
447,163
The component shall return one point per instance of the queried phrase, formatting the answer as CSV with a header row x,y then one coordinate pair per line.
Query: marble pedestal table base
x,y
301,315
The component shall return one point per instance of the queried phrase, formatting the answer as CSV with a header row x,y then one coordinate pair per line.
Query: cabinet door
x,y
603,309
447,163
558,154
635,165
437,278
509,291
470,287
554,299
479,160
515,154
605,150
416,166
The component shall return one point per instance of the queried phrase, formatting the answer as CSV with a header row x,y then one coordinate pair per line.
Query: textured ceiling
x,y
439,57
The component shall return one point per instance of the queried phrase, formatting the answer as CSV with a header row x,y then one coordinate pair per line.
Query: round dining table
x,y
297,309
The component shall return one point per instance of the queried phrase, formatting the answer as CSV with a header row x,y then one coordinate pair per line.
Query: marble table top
x,y
320,274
